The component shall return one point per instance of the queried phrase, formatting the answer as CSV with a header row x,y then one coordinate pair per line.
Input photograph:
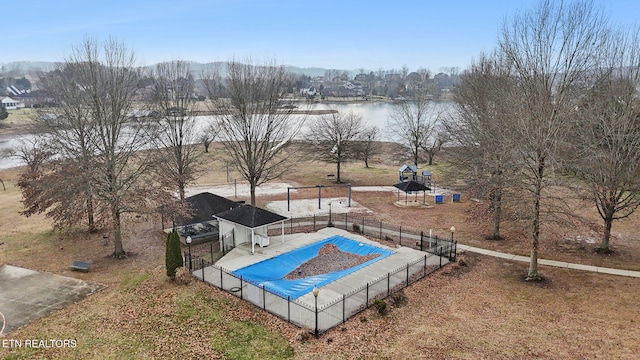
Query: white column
x,y
253,241
282,230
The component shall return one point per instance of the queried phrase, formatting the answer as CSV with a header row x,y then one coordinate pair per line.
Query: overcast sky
x,y
340,34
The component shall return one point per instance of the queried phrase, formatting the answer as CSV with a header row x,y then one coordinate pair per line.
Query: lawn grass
x,y
149,316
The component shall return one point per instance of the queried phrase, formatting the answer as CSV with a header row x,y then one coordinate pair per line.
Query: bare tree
x,y
331,74
413,123
67,131
3,155
98,96
125,176
479,128
551,50
333,138
254,129
209,134
173,92
453,72
367,144
404,71
607,139
432,145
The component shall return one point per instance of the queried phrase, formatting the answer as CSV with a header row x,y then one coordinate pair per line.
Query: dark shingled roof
x,y
411,186
250,216
205,205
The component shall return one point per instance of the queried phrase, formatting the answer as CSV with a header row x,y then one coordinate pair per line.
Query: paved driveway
x,y
27,295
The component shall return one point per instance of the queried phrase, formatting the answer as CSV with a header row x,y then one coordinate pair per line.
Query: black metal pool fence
x,y
318,319
397,234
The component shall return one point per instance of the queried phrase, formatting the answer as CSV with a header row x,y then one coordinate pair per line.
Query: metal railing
x,y
438,253
397,234
322,318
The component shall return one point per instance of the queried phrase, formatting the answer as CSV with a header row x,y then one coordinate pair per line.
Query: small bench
x,y
331,177
80,266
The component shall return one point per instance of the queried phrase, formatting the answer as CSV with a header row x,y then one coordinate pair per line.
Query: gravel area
x,y
329,259
309,207
241,189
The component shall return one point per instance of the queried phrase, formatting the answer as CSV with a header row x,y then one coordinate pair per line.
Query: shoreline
x,y
14,129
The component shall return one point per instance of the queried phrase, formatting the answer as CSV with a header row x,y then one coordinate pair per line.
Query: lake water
x,y
373,114
7,143
376,113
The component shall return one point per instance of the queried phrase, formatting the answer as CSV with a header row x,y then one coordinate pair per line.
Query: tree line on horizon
x,y
391,83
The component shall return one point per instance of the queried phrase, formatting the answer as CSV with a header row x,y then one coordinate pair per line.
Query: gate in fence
x,y
228,242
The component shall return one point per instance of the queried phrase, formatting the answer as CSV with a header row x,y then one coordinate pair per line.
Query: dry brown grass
x,y
18,122
481,310
486,311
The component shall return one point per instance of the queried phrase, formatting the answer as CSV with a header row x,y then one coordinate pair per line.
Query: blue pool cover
x,y
270,273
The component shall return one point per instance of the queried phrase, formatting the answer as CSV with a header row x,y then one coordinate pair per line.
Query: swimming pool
x,y
270,273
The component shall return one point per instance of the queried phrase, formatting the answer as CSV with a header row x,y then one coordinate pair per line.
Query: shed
x,y
249,224
201,225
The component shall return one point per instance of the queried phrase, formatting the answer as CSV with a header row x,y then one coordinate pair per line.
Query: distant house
x,y
361,77
33,98
414,78
11,104
393,77
311,91
14,90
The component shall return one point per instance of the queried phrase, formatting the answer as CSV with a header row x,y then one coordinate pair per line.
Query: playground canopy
x,y
412,186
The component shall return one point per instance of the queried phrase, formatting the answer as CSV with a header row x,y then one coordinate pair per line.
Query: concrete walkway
x,y
560,264
27,295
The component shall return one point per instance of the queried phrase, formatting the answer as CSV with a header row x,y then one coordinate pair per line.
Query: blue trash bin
x,y
439,199
455,197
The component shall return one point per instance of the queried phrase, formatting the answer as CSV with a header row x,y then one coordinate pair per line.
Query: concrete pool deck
x,y
241,257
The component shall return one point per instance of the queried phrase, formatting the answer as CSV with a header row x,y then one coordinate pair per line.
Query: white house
x,y
11,104
311,91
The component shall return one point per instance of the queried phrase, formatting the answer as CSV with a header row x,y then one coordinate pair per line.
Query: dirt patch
x,y
490,312
329,259
465,262
309,207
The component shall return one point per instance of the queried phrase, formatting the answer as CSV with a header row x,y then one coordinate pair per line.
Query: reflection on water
x,y
7,144
373,114
377,113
